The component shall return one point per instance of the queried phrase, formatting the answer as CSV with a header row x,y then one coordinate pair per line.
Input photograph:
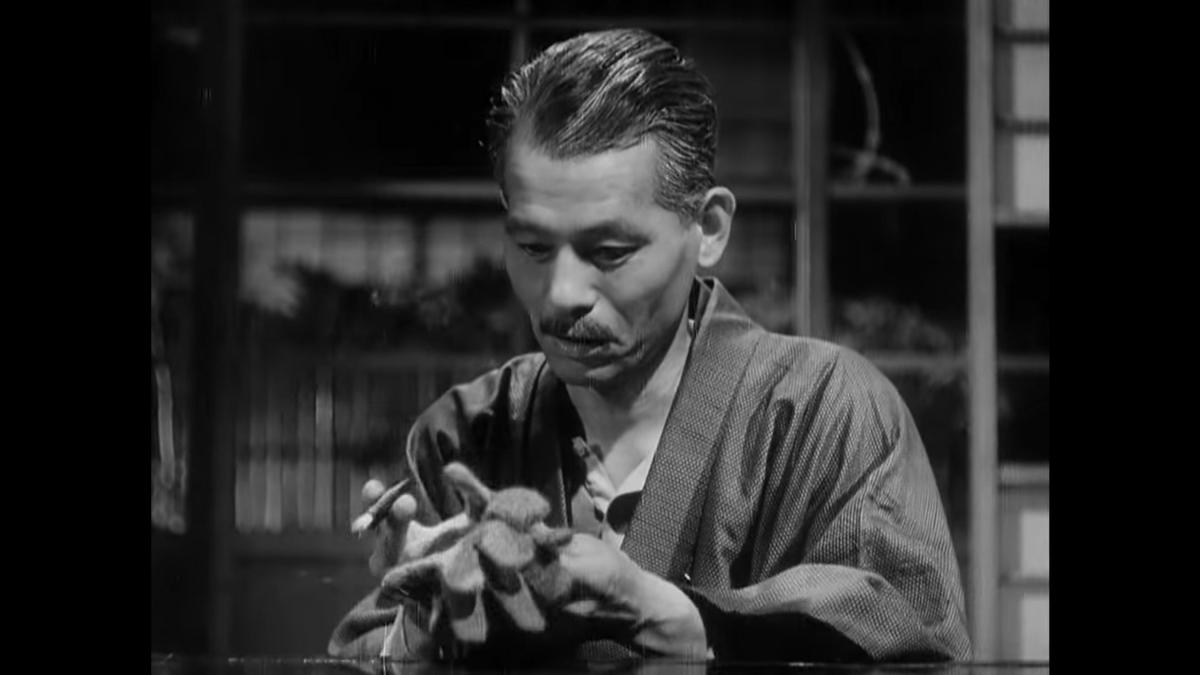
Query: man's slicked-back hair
x,y
610,90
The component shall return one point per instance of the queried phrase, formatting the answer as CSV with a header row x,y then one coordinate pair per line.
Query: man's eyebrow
x,y
615,228
518,226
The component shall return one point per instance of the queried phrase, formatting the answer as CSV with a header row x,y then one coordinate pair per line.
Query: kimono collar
x,y
662,534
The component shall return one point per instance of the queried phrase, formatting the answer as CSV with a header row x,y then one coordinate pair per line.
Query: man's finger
x,y
379,510
403,509
595,610
372,490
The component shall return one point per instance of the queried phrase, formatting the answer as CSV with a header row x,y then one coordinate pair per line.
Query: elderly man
x,y
701,487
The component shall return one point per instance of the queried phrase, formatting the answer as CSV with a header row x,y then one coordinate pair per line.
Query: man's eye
x,y
611,255
535,250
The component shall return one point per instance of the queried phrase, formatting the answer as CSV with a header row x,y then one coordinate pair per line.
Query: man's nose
x,y
572,293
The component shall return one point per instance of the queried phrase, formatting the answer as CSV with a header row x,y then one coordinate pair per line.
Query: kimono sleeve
x,y
874,576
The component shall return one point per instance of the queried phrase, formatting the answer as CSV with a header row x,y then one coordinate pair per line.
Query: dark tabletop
x,y
181,665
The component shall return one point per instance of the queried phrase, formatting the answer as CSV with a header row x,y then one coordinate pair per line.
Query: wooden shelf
x,y
375,19
1023,583
885,22
1017,125
321,545
1024,475
467,191
1022,35
384,361
1008,219
498,21
1014,363
383,190
909,362
655,23
751,194
913,362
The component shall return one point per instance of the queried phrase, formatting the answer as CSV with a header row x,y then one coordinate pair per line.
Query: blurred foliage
x,y
475,312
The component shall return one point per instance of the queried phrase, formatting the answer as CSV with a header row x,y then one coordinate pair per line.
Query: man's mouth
x,y
575,346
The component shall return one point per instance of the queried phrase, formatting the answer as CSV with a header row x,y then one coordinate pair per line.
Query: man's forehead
x,y
625,175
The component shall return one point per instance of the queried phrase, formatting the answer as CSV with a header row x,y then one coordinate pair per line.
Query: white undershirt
x,y
598,493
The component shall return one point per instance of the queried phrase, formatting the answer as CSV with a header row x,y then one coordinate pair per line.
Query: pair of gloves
x,y
496,573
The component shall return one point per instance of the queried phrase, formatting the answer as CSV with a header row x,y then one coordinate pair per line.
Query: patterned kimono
x,y
790,496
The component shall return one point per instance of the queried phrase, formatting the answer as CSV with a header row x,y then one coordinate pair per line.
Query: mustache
x,y
578,330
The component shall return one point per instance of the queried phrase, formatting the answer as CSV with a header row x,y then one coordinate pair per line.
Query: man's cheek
x,y
524,284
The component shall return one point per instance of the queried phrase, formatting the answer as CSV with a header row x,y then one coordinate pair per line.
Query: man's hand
x,y
468,572
612,591
499,553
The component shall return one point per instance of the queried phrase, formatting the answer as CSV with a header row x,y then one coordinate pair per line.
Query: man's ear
x,y
715,220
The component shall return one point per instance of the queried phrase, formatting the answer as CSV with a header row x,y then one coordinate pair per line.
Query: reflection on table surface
x,y
183,665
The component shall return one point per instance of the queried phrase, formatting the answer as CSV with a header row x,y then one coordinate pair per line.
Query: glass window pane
x,y
751,80
757,265
750,74
916,14
601,8
408,7
1035,627
1023,291
898,276
158,7
1031,82
1024,417
1023,173
591,9
754,153
1031,173
542,38
898,97
1025,14
175,122
357,320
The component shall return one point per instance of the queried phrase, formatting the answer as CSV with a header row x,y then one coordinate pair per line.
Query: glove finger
x,y
518,603
408,578
550,538
518,507
462,574
466,614
420,541
474,492
504,547
548,581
